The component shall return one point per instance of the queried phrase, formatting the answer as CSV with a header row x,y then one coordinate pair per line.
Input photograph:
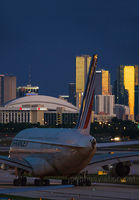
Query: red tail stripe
x,y
89,112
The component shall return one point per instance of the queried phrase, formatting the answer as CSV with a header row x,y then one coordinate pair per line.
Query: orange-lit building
x,y
126,82
82,67
102,82
102,78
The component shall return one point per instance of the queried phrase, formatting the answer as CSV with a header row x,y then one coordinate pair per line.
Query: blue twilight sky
x,y
47,35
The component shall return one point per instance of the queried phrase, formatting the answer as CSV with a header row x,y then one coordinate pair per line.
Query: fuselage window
x,y
19,143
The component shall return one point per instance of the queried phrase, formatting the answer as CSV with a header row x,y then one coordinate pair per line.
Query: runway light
x,y
116,139
123,180
112,152
102,173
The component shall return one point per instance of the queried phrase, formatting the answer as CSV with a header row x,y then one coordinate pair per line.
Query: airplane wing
x,y
115,144
109,159
15,163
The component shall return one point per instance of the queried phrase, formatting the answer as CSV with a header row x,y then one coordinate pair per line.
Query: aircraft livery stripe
x,y
87,102
85,108
88,93
89,112
89,99
85,99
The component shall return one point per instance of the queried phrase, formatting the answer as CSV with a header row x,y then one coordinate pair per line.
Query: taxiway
x,y
67,192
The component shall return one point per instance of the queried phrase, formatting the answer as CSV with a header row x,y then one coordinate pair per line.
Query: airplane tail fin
x,y
84,119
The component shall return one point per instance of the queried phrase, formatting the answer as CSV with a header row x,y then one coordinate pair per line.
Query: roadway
x,y
67,192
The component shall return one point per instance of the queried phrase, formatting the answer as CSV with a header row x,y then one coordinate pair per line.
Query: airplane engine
x,y
120,169
3,166
40,167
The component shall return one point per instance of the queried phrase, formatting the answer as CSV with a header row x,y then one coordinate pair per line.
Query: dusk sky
x,y
47,35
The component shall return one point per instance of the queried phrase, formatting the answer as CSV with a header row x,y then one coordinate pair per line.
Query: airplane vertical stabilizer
x,y
87,102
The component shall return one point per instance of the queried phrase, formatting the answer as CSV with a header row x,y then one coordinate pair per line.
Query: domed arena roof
x,y
50,103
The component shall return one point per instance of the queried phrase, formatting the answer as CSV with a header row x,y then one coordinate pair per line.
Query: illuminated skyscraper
x,y
7,88
102,82
82,67
126,81
137,102
136,75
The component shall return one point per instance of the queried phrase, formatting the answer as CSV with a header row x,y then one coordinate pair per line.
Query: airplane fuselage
x,y
50,152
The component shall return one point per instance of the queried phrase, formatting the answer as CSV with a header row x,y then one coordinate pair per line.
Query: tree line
x,y
113,128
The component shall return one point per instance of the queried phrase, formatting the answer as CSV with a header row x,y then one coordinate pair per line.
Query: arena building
x,y
39,108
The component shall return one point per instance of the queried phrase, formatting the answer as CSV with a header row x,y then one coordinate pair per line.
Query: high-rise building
x,y
114,90
122,93
136,102
104,104
28,90
122,112
136,75
127,79
7,88
104,107
82,67
102,82
72,93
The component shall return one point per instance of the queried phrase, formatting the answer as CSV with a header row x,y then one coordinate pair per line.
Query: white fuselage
x,y
53,152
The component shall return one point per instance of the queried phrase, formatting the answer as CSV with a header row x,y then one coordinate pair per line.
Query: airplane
x,y
44,152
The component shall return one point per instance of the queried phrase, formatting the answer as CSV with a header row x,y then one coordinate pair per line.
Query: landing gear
x,y
40,182
77,182
84,182
21,181
65,181
46,182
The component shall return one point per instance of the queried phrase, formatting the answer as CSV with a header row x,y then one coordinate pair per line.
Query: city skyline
x,y
46,37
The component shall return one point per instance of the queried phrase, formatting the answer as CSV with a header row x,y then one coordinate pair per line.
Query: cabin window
x,y
19,143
